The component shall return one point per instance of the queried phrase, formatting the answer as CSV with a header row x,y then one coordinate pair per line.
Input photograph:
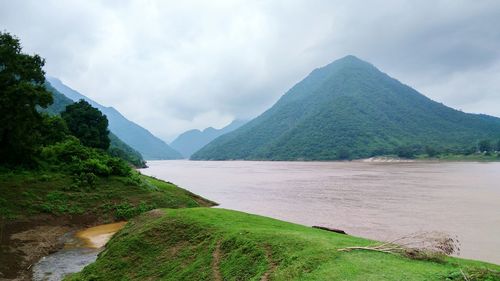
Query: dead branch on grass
x,y
422,245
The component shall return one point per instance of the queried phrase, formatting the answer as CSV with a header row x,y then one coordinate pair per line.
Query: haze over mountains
x,y
350,109
140,139
191,141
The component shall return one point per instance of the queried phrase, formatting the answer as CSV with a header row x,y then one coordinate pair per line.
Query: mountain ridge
x,y
139,138
191,141
349,108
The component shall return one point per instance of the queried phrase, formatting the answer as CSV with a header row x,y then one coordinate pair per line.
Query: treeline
x,y
484,147
76,141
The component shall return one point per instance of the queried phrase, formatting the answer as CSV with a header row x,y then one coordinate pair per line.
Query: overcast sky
x,y
171,66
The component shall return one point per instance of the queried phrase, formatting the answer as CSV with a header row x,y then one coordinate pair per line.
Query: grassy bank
x,y
38,207
26,193
217,244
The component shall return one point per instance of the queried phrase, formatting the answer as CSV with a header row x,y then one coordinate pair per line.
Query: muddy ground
x,y
24,242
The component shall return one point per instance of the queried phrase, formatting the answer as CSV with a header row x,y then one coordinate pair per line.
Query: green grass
x,y
27,193
180,245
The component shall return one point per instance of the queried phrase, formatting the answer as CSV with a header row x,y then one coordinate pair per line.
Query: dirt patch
x,y
156,213
24,242
216,257
271,262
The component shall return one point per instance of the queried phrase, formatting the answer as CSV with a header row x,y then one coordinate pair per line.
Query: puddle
x,y
80,249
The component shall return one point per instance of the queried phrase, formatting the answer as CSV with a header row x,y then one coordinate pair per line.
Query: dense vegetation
x,y
47,158
140,139
28,193
191,141
58,173
116,148
200,244
349,109
21,90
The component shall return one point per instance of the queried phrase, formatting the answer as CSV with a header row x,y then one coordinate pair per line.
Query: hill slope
x,y
116,148
218,244
140,139
350,109
191,141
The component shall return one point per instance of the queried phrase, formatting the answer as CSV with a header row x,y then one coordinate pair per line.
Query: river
x,y
369,199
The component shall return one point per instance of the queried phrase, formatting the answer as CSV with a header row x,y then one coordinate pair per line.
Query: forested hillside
x,y
350,109
140,139
116,148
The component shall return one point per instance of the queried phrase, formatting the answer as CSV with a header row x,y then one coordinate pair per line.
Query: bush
x,y
127,210
405,152
72,157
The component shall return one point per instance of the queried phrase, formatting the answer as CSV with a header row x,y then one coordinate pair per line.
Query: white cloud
x,y
177,65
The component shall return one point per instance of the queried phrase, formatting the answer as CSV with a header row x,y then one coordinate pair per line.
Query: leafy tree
x,y
485,146
21,91
431,151
498,145
53,129
343,154
87,124
405,152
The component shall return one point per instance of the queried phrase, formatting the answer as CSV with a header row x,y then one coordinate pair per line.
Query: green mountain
x,y
140,139
191,141
116,148
350,109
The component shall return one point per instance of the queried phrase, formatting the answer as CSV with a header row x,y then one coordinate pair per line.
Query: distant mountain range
x,y
140,139
191,141
350,109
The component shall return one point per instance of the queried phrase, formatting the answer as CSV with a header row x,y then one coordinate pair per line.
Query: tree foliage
x,y
88,124
485,146
21,91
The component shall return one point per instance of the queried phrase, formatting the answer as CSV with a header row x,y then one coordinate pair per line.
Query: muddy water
x,y
375,200
80,249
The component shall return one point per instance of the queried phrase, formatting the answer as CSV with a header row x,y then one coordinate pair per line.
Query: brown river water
x,y
376,200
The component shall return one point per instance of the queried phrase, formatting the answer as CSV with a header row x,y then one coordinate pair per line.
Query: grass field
x,y
24,194
218,244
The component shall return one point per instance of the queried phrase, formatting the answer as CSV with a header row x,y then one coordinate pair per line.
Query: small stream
x,y
80,249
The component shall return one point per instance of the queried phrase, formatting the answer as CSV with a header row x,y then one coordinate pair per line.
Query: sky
x,y
171,66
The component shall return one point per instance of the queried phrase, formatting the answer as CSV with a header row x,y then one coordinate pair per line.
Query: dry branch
x,y
422,245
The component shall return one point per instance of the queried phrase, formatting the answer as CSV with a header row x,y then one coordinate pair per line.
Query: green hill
x,y
218,244
350,109
117,147
140,139
191,141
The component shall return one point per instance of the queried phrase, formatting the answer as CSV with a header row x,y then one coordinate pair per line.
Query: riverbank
x,y
219,244
36,209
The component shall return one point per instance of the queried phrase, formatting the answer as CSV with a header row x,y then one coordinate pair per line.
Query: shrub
x,y
72,157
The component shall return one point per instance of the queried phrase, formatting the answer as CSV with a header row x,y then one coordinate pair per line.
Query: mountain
x,y
140,139
350,109
191,141
116,147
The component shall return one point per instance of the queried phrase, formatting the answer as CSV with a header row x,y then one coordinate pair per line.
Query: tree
x,y
484,146
405,152
498,145
87,124
343,154
431,151
21,91
53,129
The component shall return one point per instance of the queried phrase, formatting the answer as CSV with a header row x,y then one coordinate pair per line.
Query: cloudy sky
x,y
177,65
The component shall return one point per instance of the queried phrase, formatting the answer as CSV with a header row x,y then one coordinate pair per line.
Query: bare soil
x,y
24,242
